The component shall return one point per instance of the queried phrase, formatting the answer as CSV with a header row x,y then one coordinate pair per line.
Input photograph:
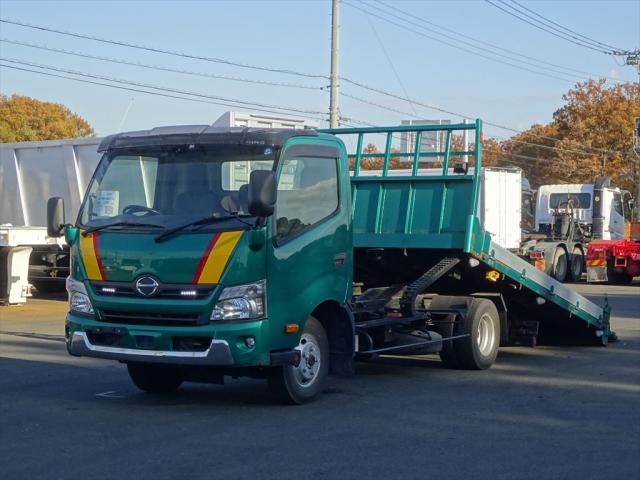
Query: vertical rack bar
x,y
416,154
477,166
356,164
408,221
447,153
472,219
387,155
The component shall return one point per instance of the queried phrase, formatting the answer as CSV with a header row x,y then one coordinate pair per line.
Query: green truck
x,y
203,252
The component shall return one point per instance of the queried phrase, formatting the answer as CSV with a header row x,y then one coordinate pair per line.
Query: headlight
x,y
78,299
242,302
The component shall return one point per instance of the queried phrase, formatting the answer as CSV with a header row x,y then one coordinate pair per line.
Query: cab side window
x,y
307,194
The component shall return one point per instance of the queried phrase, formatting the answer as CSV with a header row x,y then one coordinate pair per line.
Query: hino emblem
x,y
147,286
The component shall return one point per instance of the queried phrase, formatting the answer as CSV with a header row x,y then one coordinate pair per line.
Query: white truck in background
x,y
566,218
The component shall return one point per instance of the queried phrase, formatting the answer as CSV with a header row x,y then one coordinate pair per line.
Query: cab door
x,y
616,216
310,260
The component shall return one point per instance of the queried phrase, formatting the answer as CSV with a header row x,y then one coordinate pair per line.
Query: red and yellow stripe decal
x,y
598,262
90,256
216,257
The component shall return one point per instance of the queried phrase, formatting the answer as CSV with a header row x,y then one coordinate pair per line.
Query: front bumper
x,y
221,344
218,353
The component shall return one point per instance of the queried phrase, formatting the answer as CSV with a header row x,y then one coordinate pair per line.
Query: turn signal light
x,y
291,328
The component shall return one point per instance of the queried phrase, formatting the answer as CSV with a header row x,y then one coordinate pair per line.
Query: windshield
x,y
579,200
172,185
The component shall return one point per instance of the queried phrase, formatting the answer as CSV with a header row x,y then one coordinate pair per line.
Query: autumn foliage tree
x,y
24,119
590,135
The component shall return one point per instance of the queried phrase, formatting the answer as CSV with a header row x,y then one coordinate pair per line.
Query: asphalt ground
x,y
543,413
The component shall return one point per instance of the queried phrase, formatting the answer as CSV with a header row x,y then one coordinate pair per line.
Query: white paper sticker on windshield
x,y
106,203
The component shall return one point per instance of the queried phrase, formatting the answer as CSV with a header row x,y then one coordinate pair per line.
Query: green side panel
x,y
421,212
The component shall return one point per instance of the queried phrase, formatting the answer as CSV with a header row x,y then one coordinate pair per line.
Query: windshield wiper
x,y
123,223
203,221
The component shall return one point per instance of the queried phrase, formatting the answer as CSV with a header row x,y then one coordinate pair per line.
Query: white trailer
x,y
30,173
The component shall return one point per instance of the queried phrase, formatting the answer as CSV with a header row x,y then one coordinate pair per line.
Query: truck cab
x,y
600,201
177,235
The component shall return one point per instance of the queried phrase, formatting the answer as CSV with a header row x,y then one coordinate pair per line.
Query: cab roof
x,y
203,135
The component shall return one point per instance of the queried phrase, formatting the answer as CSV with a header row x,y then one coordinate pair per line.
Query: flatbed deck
x,y
407,223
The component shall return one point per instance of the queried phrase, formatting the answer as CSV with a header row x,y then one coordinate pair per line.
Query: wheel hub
x,y
307,370
486,335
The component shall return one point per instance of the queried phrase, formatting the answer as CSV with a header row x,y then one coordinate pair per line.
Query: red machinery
x,y
614,261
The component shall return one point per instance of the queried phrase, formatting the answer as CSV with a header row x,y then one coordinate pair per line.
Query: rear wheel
x,y
479,349
155,378
577,264
300,384
560,264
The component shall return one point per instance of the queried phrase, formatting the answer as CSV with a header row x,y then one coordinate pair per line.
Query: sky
x,y
380,50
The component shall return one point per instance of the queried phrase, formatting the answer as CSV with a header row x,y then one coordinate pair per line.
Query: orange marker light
x,y
291,328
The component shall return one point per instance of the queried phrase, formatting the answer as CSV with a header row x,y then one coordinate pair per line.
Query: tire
x,y
577,265
560,269
478,351
297,385
153,378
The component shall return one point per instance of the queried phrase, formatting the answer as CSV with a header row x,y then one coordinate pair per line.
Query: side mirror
x,y
55,217
262,193
631,204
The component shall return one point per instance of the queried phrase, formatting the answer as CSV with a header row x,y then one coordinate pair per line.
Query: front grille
x,y
174,291
155,318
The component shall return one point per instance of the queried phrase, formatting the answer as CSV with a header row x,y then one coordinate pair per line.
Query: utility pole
x,y
334,119
633,60
636,152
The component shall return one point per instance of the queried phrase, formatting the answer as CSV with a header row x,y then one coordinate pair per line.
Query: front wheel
x,y
560,265
300,384
155,378
577,265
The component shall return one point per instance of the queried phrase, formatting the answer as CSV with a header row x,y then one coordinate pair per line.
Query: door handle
x,y
339,259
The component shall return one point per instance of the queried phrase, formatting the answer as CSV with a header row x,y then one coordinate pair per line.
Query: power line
x,y
161,50
157,67
565,37
131,89
453,45
449,112
155,87
547,20
458,34
359,84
